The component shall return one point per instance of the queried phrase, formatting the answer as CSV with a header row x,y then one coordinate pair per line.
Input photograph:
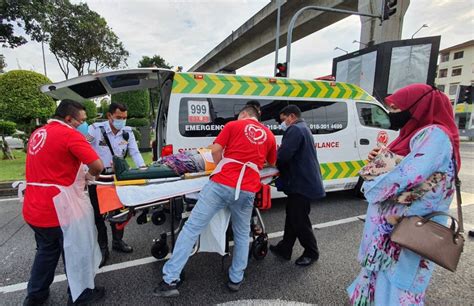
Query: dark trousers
x,y
298,225
49,247
100,223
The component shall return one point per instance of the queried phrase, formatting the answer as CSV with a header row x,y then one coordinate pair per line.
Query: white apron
x,y
212,238
76,218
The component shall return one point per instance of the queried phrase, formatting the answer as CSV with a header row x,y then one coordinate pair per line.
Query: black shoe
x,y
167,290
471,233
234,287
105,256
88,296
305,260
33,301
121,246
278,253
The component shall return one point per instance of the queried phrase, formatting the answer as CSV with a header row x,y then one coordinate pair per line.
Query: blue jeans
x,y
212,198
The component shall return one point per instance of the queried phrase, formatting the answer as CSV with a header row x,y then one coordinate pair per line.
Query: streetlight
x,y
337,48
423,26
360,43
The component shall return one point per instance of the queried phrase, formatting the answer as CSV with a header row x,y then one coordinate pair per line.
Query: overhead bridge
x,y
256,37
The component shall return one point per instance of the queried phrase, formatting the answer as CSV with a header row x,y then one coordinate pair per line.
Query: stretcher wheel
x,y
160,248
260,247
158,218
143,218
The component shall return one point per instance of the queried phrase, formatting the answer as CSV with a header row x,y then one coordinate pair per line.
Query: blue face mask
x,y
119,123
83,128
283,126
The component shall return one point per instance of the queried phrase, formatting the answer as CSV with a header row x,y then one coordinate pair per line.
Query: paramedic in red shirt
x,y
240,150
55,153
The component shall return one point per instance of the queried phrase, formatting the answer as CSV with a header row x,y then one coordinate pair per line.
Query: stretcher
x,y
158,199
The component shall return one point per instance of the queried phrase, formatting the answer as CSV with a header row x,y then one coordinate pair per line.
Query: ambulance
x,y
346,121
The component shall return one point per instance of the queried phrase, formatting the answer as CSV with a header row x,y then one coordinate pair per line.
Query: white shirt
x,y
119,144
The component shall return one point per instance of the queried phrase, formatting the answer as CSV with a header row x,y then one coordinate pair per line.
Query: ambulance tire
x,y
357,191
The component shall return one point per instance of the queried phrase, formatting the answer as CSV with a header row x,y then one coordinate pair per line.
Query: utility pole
x,y
277,36
323,9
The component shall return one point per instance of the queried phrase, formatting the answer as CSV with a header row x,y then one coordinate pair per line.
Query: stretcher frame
x,y
186,208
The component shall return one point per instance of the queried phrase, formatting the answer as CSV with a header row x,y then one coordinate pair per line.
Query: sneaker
x,y
234,287
88,296
167,290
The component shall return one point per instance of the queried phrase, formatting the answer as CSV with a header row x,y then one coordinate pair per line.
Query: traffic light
x,y
465,94
281,70
389,8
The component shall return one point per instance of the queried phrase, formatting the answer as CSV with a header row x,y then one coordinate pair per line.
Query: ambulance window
x,y
205,117
372,115
323,117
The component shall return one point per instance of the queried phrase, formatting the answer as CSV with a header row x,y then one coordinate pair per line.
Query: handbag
x,y
431,240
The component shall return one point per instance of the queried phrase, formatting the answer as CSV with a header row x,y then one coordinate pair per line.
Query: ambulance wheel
x,y
160,249
259,249
158,218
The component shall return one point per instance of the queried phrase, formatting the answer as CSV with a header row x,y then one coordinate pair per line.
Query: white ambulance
x,y
346,121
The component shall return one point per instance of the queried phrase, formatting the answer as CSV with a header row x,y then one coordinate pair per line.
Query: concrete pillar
x,y
373,31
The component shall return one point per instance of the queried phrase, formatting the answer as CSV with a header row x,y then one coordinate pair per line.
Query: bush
x,y
138,136
138,102
136,122
7,128
21,100
91,111
104,107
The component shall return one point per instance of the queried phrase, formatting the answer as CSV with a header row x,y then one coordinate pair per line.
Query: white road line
x,y
147,260
9,199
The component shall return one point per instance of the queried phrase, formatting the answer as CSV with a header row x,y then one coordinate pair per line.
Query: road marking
x,y
468,199
8,199
147,260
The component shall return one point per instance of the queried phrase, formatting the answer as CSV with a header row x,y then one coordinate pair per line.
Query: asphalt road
x,y
130,278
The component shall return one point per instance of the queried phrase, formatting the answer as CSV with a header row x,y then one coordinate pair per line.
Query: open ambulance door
x,y
107,83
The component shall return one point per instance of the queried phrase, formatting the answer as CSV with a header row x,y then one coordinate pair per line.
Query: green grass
x,y
11,170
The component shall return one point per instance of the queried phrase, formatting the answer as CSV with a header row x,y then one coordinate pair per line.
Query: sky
x,y
184,31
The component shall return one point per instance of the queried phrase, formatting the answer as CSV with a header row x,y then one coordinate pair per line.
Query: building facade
x,y
456,67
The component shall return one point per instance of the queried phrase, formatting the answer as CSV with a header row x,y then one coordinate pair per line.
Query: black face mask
x,y
398,120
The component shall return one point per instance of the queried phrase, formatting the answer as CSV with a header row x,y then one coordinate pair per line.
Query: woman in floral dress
x,y
420,183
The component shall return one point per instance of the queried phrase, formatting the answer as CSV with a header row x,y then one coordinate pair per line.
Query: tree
x,y
137,101
7,128
79,37
3,65
91,110
21,100
155,61
23,14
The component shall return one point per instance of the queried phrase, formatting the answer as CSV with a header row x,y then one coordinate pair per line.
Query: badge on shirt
x,y
102,143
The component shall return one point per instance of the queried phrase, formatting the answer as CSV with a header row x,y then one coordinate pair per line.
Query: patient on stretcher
x,y
174,165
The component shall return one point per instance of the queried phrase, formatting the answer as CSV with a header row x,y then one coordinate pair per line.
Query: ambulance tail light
x,y
167,150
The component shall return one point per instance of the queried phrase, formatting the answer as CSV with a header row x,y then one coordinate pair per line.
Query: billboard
x,y
383,68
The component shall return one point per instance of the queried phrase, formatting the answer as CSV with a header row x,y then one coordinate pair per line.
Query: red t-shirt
x,y
245,140
55,153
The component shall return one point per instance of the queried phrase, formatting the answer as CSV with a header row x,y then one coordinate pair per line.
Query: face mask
x,y
398,120
83,128
119,123
283,126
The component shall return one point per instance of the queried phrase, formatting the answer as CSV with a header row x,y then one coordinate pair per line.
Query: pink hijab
x,y
430,106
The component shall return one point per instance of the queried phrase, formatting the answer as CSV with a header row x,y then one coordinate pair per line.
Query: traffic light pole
x,y
316,8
